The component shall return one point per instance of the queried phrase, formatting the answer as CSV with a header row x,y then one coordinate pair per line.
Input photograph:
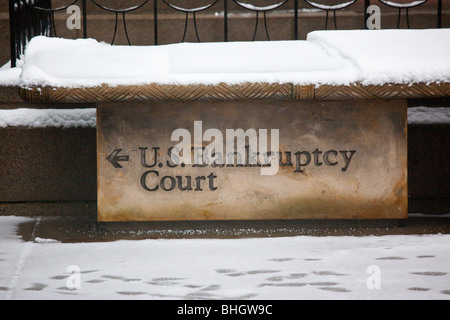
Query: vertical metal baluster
x,y
399,17
115,28
225,20
366,14
84,19
155,21
326,20
256,25
21,32
26,21
295,19
439,13
33,26
47,22
37,16
185,26
39,26
407,17
30,21
53,23
125,28
265,25
195,27
12,33
334,18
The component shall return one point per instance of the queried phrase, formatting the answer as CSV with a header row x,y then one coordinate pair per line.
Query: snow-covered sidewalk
x,y
292,268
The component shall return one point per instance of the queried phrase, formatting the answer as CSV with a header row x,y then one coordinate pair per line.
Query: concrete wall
x,y
53,171
56,168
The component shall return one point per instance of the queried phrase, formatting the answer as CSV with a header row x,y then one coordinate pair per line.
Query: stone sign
x,y
252,160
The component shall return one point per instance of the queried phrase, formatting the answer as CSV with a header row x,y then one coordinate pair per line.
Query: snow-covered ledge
x,y
356,64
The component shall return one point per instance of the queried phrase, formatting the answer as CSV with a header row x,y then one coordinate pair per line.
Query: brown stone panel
x,y
370,185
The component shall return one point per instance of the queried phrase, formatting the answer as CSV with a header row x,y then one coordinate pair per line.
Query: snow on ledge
x,y
10,77
43,118
425,115
88,63
86,118
369,57
392,56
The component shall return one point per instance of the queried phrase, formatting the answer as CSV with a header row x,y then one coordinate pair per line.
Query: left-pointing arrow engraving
x,y
114,158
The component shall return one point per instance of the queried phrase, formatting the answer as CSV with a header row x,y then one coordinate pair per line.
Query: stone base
x,y
336,160
38,179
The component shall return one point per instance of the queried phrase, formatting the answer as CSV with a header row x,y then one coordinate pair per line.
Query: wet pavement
x,y
86,229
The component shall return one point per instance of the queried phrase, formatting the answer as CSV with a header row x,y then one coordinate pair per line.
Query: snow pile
x,y
70,118
392,56
86,62
10,76
42,118
372,57
425,115
273,62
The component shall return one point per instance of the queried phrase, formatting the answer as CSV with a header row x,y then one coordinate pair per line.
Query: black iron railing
x,y
29,18
25,23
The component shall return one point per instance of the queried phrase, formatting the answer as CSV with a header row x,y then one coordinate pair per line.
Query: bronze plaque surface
x,y
251,160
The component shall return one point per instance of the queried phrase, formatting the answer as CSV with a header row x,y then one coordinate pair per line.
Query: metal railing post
x,y
225,20
155,20
84,19
439,13
366,15
295,19
12,33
